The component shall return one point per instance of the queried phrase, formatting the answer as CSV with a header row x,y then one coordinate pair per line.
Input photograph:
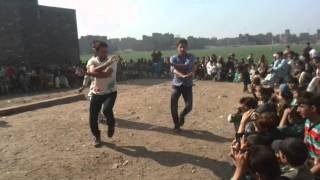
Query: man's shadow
x,y
192,134
4,124
172,159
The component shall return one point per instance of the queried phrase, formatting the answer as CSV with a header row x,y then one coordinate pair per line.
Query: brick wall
x,y
37,34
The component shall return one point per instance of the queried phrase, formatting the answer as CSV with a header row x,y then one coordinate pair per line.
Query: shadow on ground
x,y
192,134
172,159
4,124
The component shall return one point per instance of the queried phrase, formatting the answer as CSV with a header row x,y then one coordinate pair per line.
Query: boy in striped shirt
x,y
309,108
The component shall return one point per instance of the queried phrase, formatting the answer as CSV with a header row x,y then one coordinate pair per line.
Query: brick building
x,y
37,34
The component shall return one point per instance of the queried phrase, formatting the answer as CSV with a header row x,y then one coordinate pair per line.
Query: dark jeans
x,y
187,96
96,102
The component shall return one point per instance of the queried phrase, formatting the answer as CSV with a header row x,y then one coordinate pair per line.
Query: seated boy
x,y
246,104
309,109
291,124
293,153
260,161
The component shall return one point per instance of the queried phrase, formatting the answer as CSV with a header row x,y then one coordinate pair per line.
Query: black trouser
x,y
187,96
96,102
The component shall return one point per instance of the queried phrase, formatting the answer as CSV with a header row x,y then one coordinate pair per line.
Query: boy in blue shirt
x,y
182,68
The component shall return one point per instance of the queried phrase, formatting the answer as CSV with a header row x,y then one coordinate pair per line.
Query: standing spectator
x,y
211,69
245,76
291,63
306,51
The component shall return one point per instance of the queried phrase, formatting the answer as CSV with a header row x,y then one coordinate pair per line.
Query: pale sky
x,y
199,18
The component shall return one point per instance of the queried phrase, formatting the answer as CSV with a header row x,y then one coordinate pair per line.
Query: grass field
x,y
240,51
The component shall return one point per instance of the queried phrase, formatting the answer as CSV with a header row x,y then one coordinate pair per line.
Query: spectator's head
x,y
291,151
266,122
182,46
256,139
308,44
285,92
293,83
214,57
102,50
263,163
288,54
279,55
275,56
309,105
256,81
248,103
316,61
262,59
264,93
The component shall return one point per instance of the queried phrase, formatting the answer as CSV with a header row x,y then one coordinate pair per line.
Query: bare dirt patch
x,y
56,143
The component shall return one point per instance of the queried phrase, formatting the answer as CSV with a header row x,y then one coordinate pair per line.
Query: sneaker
x,y
177,128
181,122
110,131
97,142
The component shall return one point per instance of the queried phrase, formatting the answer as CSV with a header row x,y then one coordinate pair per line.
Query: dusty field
x,y
56,143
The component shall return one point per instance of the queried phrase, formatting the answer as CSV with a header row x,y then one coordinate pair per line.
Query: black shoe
x,y
177,128
110,131
97,142
181,122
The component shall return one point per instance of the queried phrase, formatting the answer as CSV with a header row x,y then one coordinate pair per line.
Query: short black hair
x,y
294,150
101,44
293,80
257,139
249,102
266,92
309,99
262,160
267,120
280,53
182,41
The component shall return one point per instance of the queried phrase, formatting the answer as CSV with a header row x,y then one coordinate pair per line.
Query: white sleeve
x,y
91,62
313,84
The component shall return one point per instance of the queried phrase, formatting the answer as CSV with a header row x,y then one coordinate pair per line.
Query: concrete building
x,y
37,35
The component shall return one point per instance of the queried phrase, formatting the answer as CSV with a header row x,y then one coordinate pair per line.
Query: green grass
x,y
240,51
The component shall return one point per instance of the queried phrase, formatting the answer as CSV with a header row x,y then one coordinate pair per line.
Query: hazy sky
x,y
205,18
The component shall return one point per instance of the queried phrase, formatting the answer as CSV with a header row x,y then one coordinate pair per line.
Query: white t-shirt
x,y
101,86
211,68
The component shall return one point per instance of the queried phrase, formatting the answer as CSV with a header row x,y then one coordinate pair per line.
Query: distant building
x,y
37,35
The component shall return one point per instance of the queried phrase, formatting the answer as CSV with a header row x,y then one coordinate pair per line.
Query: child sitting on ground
x,y
292,154
265,126
309,109
260,161
246,104
291,123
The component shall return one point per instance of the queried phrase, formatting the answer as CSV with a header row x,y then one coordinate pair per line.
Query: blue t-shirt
x,y
188,62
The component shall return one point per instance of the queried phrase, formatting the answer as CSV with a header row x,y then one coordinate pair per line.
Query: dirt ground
x,y
56,143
